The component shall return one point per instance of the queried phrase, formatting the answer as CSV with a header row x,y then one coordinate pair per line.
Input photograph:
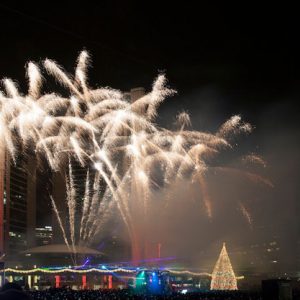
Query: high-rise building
x,y
17,203
2,196
43,235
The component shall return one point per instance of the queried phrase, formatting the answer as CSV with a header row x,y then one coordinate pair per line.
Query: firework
x,y
115,139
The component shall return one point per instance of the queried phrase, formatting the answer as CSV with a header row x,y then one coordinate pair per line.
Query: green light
x,y
140,280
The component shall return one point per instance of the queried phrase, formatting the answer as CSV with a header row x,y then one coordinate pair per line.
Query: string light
x,y
121,270
223,277
188,273
67,270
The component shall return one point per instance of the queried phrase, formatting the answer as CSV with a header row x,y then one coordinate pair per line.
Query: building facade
x,y
17,204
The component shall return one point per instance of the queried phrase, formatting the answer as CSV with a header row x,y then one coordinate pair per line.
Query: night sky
x,y
222,61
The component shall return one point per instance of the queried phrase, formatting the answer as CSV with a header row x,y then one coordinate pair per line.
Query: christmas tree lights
x,y
223,277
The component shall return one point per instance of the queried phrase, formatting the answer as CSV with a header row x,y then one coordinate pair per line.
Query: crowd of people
x,y
127,295
13,291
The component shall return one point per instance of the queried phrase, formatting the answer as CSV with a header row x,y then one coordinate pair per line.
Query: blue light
x,y
103,267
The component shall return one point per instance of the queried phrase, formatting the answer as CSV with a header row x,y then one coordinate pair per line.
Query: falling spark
x,y
246,213
254,159
60,223
35,80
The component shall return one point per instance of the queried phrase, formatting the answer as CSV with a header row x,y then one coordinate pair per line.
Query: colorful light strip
x,y
66,270
69,270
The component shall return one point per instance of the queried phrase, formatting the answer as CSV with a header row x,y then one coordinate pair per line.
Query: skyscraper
x,y
2,196
17,203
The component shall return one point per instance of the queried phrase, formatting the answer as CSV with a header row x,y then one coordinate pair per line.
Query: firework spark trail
x,y
71,201
114,192
205,195
60,223
35,80
56,71
118,192
148,104
11,88
104,210
245,213
252,176
103,206
97,219
93,206
233,126
86,205
121,198
254,158
102,130
81,70
183,120
77,149
90,203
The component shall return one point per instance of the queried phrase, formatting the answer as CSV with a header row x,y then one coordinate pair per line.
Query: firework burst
x,y
113,139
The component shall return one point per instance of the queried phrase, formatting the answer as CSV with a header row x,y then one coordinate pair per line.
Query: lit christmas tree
x,y
223,277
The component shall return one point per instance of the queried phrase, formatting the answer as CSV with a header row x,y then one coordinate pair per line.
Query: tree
x,y
223,277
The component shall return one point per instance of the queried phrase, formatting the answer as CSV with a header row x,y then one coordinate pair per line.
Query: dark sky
x,y
247,49
222,60
247,54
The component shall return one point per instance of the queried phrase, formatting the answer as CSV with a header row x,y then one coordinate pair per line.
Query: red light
x,y
110,281
84,281
57,281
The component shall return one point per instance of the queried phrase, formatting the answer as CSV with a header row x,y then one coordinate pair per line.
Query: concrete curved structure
x,y
62,249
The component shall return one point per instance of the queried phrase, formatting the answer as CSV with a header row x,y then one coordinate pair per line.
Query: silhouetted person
x,y
12,291
10,286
